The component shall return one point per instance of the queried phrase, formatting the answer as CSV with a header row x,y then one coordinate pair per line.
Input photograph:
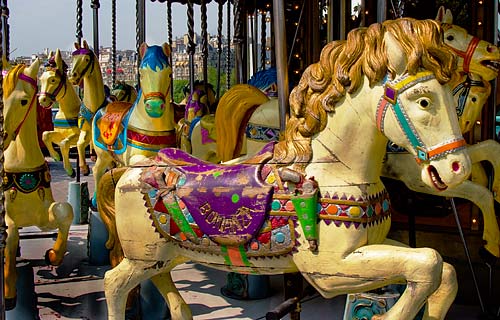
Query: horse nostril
x,y
455,166
491,49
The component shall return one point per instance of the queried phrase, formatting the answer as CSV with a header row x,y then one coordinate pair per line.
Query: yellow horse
x,y
315,202
55,86
85,67
28,196
124,133
123,91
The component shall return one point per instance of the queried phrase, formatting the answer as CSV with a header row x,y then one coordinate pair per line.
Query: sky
x,y
39,24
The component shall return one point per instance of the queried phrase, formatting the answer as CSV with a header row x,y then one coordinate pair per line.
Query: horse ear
x,y
77,46
58,59
142,49
32,70
444,15
51,54
85,44
166,49
395,54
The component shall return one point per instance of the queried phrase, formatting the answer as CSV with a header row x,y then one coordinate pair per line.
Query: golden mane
x,y
341,69
10,79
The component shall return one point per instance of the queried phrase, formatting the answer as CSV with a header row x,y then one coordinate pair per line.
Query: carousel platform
x,y
74,290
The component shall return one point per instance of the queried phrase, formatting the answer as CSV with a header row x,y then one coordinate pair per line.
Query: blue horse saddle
x,y
228,203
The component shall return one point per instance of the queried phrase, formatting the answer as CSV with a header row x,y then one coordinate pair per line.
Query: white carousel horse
x,y
268,217
478,63
55,86
28,196
85,66
124,133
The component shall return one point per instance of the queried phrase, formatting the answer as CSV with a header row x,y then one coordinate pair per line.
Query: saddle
x,y
229,203
109,123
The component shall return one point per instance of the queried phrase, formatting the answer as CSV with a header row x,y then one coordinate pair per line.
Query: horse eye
x,y
24,102
424,103
52,80
474,99
450,38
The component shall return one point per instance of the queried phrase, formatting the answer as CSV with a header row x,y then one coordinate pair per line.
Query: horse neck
x,y
24,152
141,120
69,104
93,93
348,153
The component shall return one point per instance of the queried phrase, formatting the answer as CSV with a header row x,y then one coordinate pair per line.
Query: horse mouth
x,y
491,64
436,179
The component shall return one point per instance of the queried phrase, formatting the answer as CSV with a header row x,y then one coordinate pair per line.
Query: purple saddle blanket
x,y
229,203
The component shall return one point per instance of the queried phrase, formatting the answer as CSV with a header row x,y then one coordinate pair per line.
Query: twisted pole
x,y
263,40
170,42
6,30
79,21
219,43
113,42
3,227
191,47
204,42
228,46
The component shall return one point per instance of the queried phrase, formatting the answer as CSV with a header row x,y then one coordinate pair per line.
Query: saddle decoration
x,y
110,126
208,132
27,181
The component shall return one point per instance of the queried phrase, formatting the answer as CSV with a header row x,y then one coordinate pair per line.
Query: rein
x,y
33,83
391,99
463,89
468,53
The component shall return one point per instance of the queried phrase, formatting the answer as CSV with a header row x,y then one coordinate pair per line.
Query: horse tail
x,y
233,111
106,201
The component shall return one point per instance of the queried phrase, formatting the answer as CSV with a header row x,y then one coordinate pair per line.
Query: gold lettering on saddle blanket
x,y
232,224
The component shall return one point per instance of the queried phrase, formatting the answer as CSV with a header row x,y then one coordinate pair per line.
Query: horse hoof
x,y
85,170
487,257
72,174
50,258
10,303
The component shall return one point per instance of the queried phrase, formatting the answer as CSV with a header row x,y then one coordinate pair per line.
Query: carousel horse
x,y
55,86
198,130
478,62
26,183
124,133
313,203
85,66
123,91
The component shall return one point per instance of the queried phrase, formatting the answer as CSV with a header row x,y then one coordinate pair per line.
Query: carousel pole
x,y
113,42
140,27
281,60
228,45
3,227
239,41
263,41
219,45
95,19
204,42
170,42
191,47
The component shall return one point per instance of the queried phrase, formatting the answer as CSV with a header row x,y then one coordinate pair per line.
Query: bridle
x,y
391,100
33,83
468,53
463,90
90,54
62,83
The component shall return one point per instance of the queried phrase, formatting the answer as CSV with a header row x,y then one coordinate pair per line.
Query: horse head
x,y
123,91
155,78
475,55
53,80
19,93
83,63
199,102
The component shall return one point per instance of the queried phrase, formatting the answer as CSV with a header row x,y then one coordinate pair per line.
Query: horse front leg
x,y
50,137
374,266
10,272
65,146
60,216
488,150
83,141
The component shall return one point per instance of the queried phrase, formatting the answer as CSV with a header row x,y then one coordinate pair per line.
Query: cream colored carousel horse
x,y
125,133
85,66
55,86
315,204
28,196
478,62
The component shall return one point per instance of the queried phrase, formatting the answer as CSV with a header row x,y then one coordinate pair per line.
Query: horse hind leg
x,y
440,301
119,281
178,307
62,215
10,273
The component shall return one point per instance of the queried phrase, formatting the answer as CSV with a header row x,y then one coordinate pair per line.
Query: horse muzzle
x,y
155,107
